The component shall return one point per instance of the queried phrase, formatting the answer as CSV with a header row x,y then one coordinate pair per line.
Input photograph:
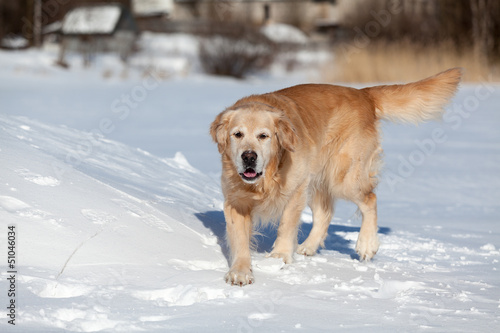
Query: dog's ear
x,y
219,129
286,134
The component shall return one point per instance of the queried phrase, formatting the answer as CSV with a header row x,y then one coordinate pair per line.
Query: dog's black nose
x,y
249,157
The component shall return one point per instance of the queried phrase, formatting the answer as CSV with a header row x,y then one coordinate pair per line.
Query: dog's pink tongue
x,y
250,173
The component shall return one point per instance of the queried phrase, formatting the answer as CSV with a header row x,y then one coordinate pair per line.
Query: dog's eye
x,y
263,136
238,135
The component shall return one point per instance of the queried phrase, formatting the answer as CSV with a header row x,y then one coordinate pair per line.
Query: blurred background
x,y
342,40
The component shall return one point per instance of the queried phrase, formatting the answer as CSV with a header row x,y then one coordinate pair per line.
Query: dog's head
x,y
251,137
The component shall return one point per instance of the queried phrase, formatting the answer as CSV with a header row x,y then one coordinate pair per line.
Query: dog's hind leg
x,y
368,243
321,205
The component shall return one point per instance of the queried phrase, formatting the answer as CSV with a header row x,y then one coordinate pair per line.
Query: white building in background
x,y
98,28
308,15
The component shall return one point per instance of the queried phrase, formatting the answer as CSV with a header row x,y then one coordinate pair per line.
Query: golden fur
x,y
311,144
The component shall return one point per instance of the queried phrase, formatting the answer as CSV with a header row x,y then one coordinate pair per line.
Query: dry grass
x,y
403,62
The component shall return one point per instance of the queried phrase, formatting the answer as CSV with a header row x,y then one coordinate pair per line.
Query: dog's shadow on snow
x,y
215,222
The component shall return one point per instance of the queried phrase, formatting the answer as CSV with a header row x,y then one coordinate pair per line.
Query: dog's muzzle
x,y
249,159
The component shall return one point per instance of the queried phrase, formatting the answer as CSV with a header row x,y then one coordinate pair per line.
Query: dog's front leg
x,y
286,241
239,232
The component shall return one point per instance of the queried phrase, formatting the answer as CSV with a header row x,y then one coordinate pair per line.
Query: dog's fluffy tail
x,y
418,101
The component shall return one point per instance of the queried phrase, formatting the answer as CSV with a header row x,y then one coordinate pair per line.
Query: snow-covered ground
x,y
112,186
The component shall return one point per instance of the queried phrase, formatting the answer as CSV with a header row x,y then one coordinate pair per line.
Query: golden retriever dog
x,y
311,144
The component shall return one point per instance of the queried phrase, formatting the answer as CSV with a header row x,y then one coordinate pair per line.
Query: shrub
x,y
235,50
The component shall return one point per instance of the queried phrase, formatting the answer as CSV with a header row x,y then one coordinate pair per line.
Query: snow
x,y
284,33
113,186
152,7
91,20
177,53
14,42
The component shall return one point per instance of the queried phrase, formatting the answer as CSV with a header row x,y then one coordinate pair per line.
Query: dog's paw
x,y
239,277
286,257
367,246
306,249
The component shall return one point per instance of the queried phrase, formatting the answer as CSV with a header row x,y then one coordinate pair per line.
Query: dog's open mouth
x,y
250,174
